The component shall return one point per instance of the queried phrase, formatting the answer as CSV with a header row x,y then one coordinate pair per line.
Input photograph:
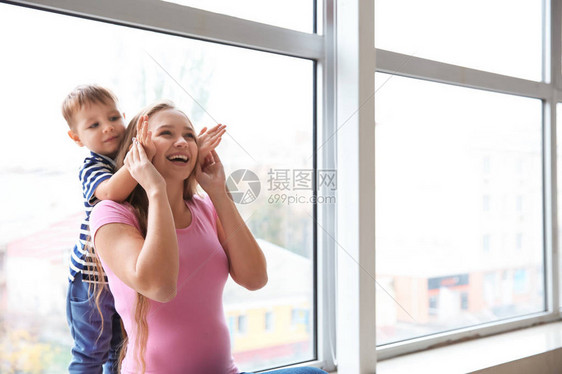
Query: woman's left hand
x,y
209,140
210,174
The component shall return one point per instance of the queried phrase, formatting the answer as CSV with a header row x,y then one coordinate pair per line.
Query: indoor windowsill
x,y
530,350
534,350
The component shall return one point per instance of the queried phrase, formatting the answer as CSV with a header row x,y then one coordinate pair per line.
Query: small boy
x,y
95,122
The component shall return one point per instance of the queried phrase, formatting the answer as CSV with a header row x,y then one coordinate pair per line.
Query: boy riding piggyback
x,y
95,122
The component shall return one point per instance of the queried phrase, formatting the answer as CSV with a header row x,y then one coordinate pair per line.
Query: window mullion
x,y
355,68
326,214
552,73
550,204
415,67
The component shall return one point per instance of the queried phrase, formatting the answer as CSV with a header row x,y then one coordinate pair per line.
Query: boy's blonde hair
x,y
84,95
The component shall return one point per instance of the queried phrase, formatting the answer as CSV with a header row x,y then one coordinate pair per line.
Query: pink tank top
x,y
188,334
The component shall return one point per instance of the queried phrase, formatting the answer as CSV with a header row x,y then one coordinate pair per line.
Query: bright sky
x,y
264,99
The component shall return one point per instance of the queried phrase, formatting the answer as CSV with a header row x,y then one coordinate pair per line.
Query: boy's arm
x,y
121,184
116,188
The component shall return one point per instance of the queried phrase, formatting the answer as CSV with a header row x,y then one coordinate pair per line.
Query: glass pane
x,y
266,113
477,34
459,207
290,14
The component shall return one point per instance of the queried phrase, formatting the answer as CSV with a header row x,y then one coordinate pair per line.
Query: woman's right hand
x,y
142,169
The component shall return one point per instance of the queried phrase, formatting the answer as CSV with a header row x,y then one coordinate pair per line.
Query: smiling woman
x,y
172,127
212,83
167,252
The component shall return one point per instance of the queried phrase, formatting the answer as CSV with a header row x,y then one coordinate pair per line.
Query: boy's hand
x,y
209,140
145,137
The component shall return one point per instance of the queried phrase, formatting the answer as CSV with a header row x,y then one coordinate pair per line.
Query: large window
x,y
464,176
466,99
265,99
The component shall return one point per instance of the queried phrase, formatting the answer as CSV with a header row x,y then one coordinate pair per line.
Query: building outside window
x,y
269,321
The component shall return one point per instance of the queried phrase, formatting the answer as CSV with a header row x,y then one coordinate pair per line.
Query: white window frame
x,y
354,129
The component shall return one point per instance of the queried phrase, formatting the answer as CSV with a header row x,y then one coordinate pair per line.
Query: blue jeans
x,y
299,370
92,351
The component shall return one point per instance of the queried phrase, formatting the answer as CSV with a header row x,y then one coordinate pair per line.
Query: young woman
x,y
168,252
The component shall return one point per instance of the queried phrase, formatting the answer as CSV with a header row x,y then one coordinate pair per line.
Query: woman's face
x,y
174,139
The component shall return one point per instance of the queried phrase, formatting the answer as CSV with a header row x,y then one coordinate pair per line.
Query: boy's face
x,y
98,127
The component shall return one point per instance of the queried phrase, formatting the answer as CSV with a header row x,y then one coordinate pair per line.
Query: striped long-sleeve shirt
x,y
96,169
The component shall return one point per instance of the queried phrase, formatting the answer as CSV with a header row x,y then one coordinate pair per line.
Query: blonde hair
x,y
84,95
139,200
